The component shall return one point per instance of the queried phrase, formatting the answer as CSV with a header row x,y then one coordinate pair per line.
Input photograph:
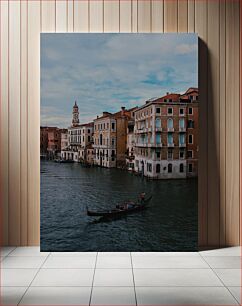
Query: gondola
x,y
120,210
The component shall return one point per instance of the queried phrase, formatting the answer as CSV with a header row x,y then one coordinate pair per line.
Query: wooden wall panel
x,y
232,122
217,24
48,16
61,16
201,27
111,16
4,186
171,15
23,123
222,125
144,16
33,122
14,121
213,123
96,16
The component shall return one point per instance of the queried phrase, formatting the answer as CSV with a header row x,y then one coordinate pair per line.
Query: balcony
x,y
143,145
158,129
182,129
158,145
170,129
170,145
182,145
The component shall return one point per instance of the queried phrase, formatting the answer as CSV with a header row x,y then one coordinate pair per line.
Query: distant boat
x,y
124,209
64,161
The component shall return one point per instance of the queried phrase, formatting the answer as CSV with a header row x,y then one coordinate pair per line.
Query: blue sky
x,y
103,72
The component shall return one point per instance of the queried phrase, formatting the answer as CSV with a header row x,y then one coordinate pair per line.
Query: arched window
x,y
157,168
158,123
169,168
170,123
182,123
181,168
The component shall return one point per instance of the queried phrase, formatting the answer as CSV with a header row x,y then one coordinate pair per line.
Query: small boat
x,y
121,210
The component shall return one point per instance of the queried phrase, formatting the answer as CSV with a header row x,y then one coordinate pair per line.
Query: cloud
x,y
106,71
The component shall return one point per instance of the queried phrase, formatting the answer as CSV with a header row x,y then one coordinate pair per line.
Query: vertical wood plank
x,y
111,16
182,15
61,16
48,16
232,122
134,20
14,122
4,123
70,15
144,16
23,125
222,138
125,16
96,16
201,29
33,122
171,15
157,14
213,124
191,16
81,16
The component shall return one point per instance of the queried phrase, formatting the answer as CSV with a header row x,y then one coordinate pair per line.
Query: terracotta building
x,y
166,132
110,138
50,142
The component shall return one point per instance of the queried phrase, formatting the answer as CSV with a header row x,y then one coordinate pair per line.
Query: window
x,y
181,138
165,100
158,154
190,124
101,140
88,138
170,111
157,168
170,100
189,154
190,139
190,110
170,138
190,168
149,167
181,168
113,126
169,154
182,154
182,123
158,138
169,168
158,110
107,125
181,111
158,123
104,126
170,123
113,141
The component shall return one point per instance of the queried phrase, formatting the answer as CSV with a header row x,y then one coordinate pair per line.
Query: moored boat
x,y
124,209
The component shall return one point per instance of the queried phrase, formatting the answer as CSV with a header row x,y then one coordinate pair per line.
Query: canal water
x,y
169,224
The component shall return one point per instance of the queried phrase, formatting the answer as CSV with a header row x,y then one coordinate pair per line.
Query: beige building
x,y
110,138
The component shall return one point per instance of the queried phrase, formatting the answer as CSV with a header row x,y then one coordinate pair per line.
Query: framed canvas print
x,y
119,142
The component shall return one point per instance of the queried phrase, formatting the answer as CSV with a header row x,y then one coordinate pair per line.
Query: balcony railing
x,y
169,129
182,145
158,129
182,129
170,145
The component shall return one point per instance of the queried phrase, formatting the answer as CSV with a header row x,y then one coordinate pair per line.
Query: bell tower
x,y
75,115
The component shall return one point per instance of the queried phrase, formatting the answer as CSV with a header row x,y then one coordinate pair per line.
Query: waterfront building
x,y
110,138
166,132
80,137
130,158
43,141
64,139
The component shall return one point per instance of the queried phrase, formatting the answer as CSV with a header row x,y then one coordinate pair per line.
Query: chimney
x,y
167,93
122,110
97,117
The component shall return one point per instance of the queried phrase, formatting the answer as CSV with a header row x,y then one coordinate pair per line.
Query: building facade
x,y
80,139
110,138
166,132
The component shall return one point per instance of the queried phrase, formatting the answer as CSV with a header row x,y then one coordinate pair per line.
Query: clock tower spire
x,y
75,115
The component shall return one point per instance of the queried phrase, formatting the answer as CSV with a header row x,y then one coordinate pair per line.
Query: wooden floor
x,y
218,26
